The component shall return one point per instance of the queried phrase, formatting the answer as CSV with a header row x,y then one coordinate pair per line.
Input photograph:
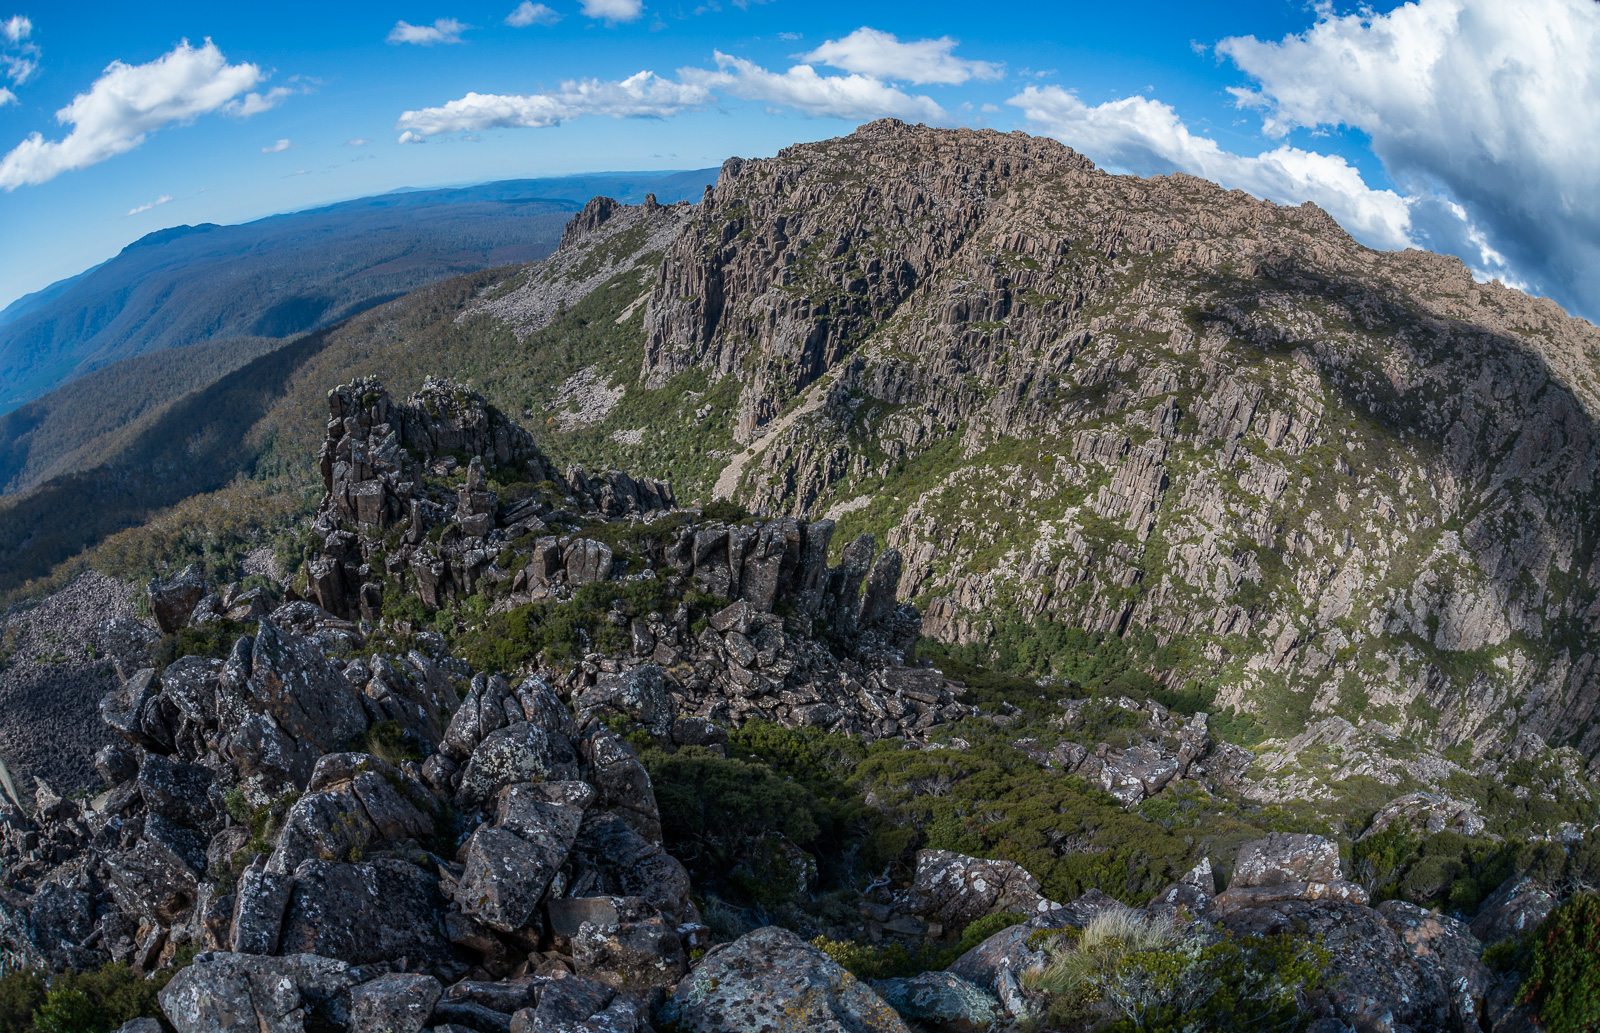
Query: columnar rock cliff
x,y
1345,481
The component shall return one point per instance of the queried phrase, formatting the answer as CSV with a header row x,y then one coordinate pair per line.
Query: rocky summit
x,y
930,584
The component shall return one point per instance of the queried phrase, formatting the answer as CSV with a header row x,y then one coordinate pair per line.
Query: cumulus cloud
x,y
644,95
1145,136
882,56
443,30
163,199
833,96
1488,113
126,104
647,95
7,97
530,13
19,57
614,10
274,148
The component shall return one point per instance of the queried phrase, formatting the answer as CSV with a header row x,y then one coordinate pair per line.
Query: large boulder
x,y
510,863
621,781
397,1003
1283,857
173,599
520,752
958,889
941,1001
639,694
244,993
770,980
366,913
1514,909
307,695
1446,954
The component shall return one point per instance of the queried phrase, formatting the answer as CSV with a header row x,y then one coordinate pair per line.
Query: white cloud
x,y
443,30
801,88
7,97
613,10
1146,136
255,103
1487,112
163,199
281,145
358,142
645,95
530,13
127,103
19,57
882,56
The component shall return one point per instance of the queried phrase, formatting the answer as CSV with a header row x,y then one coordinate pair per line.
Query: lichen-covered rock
x,y
173,599
1515,908
771,981
396,1003
623,942
365,913
639,694
1283,857
1446,953
960,889
521,752
243,993
942,1001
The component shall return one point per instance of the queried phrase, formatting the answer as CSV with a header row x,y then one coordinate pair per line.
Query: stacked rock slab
x,y
376,460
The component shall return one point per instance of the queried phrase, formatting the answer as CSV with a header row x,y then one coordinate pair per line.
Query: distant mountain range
x,y
292,273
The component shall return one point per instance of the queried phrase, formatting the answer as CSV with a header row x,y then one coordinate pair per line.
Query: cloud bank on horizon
x,y
1466,126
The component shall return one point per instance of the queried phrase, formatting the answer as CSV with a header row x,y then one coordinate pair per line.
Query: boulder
x,y
506,875
771,980
244,993
159,878
396,1003
173,599
1370,973
521,752
306,694
1448,955
958,889
1514,909
258,909
366,913
623,942
629,865
941,1001
1283,857
179,792
639,694
621,781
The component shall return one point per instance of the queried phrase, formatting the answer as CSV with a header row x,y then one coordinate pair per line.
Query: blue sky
x,y
1380,117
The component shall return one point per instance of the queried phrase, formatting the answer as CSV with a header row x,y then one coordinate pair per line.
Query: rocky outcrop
x,y
773,980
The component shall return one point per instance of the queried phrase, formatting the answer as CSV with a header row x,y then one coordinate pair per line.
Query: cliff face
x,y
1343,481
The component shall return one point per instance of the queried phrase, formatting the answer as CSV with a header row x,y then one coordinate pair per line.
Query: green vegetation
x,y
1561,979
97,1001
1160,983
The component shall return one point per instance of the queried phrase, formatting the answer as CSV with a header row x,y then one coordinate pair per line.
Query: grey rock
x,y
396,1003
771,979
627,944
305,693
1282,857
365,913
173,599
639,694
1515,908
242,993
522,752
259,904
958,889
941,1001
621,781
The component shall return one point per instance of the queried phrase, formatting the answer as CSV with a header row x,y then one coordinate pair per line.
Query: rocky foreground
x,y
341,823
